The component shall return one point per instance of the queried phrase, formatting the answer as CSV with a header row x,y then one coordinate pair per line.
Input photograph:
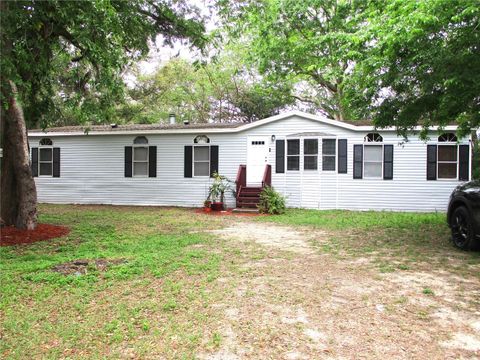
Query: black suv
x,y
463,215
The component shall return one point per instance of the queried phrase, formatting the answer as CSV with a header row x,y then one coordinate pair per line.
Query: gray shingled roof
x,y
139,127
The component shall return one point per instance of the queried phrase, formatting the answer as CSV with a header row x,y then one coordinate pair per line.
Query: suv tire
x,y
462,228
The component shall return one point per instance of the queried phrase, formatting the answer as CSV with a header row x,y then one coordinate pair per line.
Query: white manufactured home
x,y
315,162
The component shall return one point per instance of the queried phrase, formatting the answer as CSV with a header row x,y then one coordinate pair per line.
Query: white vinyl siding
x,y
93,168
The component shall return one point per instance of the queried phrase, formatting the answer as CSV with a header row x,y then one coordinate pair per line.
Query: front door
x,y
257,158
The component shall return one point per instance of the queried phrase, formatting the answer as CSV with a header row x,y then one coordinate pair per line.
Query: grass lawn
x,y
161,299
393,239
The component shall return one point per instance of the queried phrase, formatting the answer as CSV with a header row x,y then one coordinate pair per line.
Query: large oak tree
x,y
311,41
80,44
422,65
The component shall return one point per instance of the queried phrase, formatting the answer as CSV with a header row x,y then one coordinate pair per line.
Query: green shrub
x,y
271,202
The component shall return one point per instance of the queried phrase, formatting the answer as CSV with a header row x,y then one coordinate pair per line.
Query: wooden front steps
x,y
248,197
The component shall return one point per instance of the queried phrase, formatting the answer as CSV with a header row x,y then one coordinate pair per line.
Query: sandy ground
x,y
296,303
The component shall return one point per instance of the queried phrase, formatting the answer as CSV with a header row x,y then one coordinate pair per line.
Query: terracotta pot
x,y
217,206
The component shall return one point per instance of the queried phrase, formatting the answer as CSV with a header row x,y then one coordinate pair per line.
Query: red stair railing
x,y
241,179
267,176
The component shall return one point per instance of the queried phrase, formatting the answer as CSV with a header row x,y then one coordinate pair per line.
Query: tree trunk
x,y
18,195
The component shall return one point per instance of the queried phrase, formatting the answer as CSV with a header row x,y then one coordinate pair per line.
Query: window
x,y
447,137
293,154
201,139
373,161
447,161
140,156
328,154
45,162
201,161
45,159
373,137
46,142
310,154
447,157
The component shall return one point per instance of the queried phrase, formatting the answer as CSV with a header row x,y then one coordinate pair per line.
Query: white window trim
x,y
45,162
373,162
448,162
201,161
298,155
140,161
334,156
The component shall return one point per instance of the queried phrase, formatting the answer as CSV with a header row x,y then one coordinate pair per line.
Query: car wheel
x,y
462,228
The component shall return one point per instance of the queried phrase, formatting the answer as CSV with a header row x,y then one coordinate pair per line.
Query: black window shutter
x,y
280,156
128,161
463,162
342,156
56,162
357,161
213,159
34,162
431,162
152,161
187,162
388,162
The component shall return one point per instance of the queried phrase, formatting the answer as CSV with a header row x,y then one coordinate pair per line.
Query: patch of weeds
x,y
170,305
216,340
386,267
145,326
428,291
423,315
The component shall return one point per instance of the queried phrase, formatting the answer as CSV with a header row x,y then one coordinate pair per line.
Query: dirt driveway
x,y
283,298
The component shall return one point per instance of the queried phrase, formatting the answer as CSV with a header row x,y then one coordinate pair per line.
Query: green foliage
x,y
222,90
399,63
67,57
313,42
360,220
422,65
115,305
271,202
428,291
219,186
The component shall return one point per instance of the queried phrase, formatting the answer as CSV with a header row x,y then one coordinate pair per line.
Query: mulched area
x,y
10,235
228,212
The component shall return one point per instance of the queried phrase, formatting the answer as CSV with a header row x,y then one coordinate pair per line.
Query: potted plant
x,y
217,191
207,206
